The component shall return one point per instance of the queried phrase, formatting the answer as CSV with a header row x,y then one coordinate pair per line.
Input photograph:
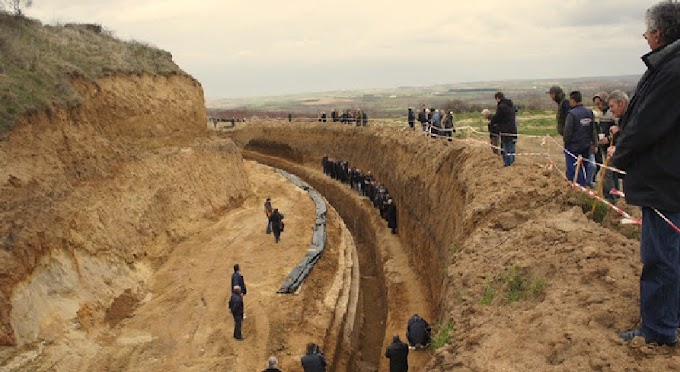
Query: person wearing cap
x,y
647,149
557,95
268,212
272,365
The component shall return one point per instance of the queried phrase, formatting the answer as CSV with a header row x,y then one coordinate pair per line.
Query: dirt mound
x,y
514,268
93,184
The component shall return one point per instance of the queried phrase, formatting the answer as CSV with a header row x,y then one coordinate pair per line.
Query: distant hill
x,y
37,60
393,102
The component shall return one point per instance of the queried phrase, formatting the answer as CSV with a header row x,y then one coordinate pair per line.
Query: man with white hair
x,y
272,365
647,149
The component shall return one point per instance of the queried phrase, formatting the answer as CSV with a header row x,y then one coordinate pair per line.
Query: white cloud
x,y
373,41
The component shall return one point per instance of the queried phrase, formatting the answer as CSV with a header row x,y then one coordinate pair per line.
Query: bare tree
x,y
16,6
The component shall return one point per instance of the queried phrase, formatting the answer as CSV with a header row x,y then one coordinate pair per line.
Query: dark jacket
x,y
418,331
397,353
236,304
314,363
504,118
276,221
579,129
237,280
272,370
411,116
647,148
562,109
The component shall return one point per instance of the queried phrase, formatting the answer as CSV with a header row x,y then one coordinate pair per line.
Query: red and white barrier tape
x,y
675,227
586,159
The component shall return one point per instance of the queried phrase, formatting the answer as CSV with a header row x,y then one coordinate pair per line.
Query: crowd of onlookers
x,y
365,185
434,122
352,117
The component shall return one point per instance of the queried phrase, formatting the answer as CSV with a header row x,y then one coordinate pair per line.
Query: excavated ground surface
x,y
467,225
178,318
120,222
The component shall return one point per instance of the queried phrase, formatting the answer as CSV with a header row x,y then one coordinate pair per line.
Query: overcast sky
x,y
240,48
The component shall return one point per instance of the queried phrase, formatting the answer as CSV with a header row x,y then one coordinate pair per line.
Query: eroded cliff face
x,y
101,191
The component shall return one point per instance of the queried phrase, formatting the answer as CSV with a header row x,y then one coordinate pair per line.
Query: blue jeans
x,y
660,279
269,225
571,166
591,169
508,145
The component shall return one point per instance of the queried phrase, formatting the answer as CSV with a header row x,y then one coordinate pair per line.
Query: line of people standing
x,y
365,185
351,117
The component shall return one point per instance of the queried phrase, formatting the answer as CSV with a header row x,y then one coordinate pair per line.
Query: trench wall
x,y
119,179
420,175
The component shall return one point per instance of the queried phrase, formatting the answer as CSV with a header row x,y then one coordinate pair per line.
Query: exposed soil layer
x,y
510,260
178,317
107,181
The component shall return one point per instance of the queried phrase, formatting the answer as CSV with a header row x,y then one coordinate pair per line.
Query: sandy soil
x,y
180,319
527,281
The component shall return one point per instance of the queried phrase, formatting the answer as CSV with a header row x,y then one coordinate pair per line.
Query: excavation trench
x,y
373,311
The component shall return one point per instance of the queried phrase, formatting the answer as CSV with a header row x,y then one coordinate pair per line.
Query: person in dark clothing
x,y
418,331
323,116
364,119
334,116
290,118
647,149
411,118
558,96
313,361
391,215
397,353
277,224
237,279
580,138
236,308
272,365
494,133
268,213
505,119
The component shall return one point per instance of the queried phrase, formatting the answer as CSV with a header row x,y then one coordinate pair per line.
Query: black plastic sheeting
x,y
294,280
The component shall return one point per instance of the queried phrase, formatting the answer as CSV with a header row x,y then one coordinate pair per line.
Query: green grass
x,y
37,61
601,209
514,285
453,248
442,334
489,293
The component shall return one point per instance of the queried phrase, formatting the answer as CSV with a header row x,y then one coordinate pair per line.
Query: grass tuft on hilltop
x,y
37,60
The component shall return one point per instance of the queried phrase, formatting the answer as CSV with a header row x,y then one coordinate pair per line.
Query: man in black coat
x,y
236,307
397,353
418,331
647,149
507,126
313,361
237,279
277,224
